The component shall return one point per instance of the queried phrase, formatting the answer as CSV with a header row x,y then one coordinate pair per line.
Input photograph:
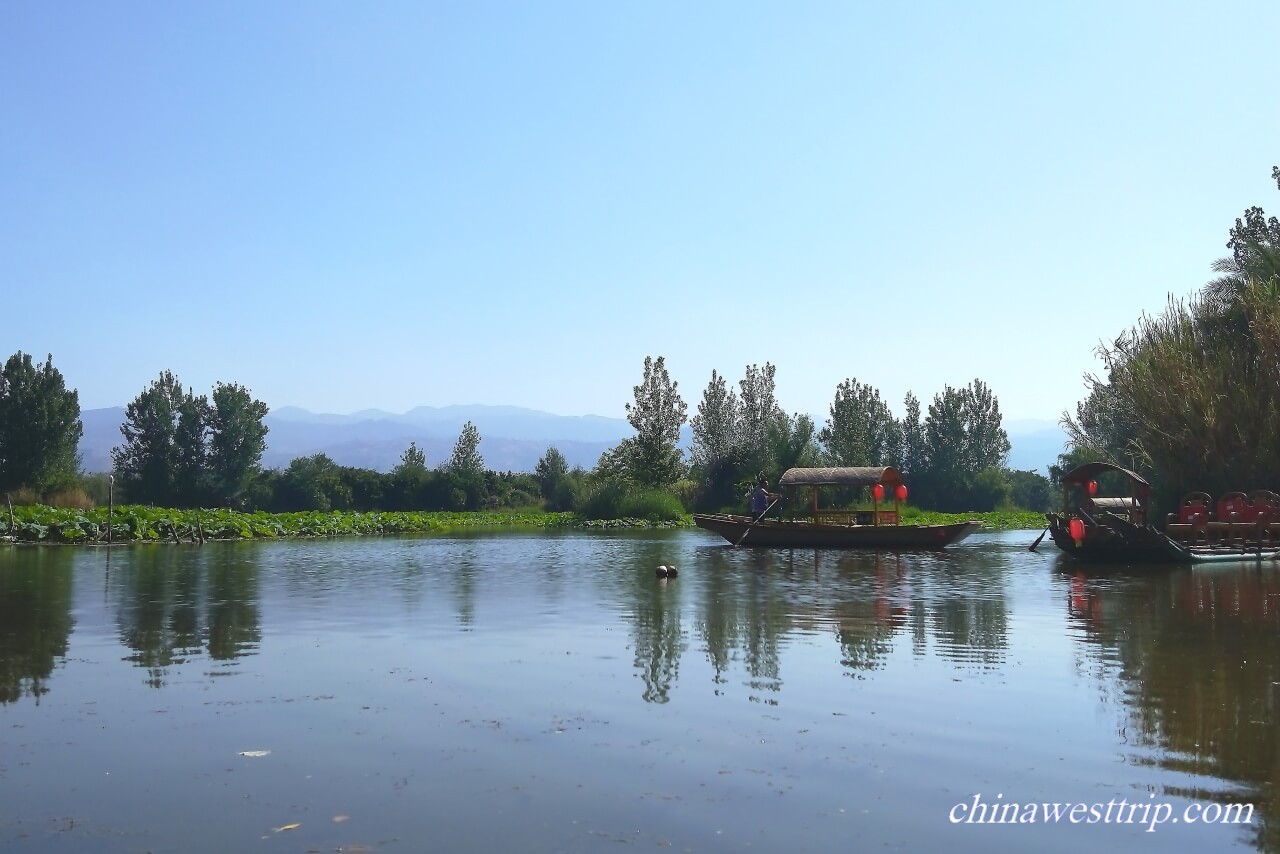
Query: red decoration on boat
x,y
901,492
1093,487
878,491
1076,527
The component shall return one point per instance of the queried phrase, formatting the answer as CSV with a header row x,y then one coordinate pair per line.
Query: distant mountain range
x,y
1036,444
511,438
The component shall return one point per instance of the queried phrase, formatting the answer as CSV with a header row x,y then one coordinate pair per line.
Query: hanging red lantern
x,y
901,492
1093,487
878,492
1076,527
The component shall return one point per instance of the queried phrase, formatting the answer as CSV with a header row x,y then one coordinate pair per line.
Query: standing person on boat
x,y
761,498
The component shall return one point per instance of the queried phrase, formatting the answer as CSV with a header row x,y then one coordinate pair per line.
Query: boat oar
x,y
1032,547
753,524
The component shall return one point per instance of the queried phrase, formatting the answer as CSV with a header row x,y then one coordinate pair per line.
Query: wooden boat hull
x,y
789,534
1116,541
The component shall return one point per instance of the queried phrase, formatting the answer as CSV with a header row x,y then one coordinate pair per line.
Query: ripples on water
x,y
545,691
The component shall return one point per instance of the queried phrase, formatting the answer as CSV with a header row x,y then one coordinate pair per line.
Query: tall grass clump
x,y
601,500
652,505
23,496
1192,396
73,498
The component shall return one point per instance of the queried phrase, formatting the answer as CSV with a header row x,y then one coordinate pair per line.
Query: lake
x,y
544,691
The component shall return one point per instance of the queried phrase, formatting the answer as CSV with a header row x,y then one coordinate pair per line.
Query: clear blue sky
x,y
384,205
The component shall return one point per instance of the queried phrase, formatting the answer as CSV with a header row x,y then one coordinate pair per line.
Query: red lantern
x,y
1093,487
878,492
901,492
1076,527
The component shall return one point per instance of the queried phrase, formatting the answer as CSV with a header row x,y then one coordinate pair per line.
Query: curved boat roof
x,y
854,476
1090,471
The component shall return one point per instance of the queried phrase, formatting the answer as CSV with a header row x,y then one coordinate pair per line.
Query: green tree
x,y
794,443
943,483
552,472
861,431
464,472
149,460
1192,395
715,427
1255,257
987,442
717,451
409,480
760,414
237,440
1030,490
413,461
466,459
913,456
191,480
964,437
312,483
652,458
40,426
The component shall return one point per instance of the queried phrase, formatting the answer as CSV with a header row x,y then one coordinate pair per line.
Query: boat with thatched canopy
x,y
1116,528
807,521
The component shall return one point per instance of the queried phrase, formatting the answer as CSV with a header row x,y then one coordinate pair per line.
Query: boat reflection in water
x,y
1195,655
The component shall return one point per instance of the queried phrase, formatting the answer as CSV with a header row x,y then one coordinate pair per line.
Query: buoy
x,y
661,572
671,571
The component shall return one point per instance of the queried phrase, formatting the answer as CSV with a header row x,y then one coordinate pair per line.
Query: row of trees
x,y
955,455
182,449
1191,397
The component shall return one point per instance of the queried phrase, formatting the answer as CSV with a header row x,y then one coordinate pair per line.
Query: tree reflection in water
x,y
1196,652
175,603
749,601
35,621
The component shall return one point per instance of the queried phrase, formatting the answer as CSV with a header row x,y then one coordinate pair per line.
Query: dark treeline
x,y
181,449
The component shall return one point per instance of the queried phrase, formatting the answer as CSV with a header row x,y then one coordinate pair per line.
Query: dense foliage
x,y
180,450
1191,397
652,458
136,523
40,426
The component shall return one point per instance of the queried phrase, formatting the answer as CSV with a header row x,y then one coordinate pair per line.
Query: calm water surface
x,y
545,692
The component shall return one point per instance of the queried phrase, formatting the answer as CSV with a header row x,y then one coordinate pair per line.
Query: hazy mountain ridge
x,y
512,438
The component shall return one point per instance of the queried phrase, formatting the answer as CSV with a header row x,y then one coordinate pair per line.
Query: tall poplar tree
x,y
237,439
40,426
652,457
861,431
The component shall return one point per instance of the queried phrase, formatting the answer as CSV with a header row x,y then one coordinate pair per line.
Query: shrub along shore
x,y
134,523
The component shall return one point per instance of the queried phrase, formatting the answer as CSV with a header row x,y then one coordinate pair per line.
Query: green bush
x,y
602,500
652,505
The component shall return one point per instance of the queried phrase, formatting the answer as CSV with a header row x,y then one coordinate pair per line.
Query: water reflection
x,y
1196,653
35,621
174,604
750,603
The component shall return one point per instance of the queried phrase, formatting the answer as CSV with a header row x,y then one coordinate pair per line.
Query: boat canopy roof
x,y
857,476
1090,471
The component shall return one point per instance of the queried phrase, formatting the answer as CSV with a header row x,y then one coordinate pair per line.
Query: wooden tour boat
x,y
1117,529
804,524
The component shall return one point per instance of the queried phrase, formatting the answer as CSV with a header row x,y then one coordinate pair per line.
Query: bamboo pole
x,y
9,499
111,482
